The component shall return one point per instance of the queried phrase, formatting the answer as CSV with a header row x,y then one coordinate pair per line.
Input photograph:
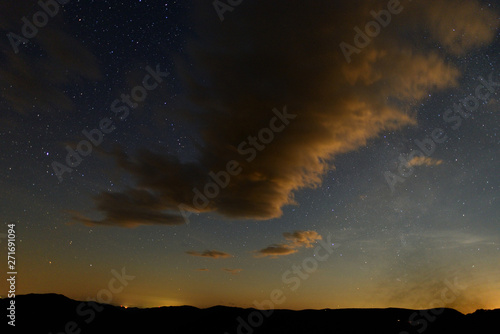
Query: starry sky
x,y
209,149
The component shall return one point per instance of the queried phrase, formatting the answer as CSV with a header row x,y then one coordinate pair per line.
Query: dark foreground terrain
x,y
57,314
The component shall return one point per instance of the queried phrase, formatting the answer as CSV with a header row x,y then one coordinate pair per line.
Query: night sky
x,y
209,149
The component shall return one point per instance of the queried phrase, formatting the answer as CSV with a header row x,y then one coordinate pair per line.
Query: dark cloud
x,y
295,240
130,209
210,253
267,55
275,251
39,78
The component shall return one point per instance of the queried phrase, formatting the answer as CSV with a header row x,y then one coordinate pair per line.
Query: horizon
x,y
279,155
250,308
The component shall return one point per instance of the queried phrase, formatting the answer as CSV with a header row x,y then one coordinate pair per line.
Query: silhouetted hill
x,y
52,313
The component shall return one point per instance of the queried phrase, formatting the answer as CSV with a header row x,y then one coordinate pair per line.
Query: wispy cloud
x,y
41,81
210,253
232,271
424,161
456,239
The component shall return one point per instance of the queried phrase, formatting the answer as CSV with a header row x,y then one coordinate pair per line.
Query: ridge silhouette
x,y
56,314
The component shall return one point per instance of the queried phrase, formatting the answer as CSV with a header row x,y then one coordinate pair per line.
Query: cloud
x,y
203,269
477,31
424,161
232,271
272,54
130,208
210,253
40,73
297,239
302,238
276,250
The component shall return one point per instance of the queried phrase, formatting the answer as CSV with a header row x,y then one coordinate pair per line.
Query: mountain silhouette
x,y
56,314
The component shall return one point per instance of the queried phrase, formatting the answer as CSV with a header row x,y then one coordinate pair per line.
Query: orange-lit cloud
x,y
302,238
295,240
424,161
285,53
275,251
